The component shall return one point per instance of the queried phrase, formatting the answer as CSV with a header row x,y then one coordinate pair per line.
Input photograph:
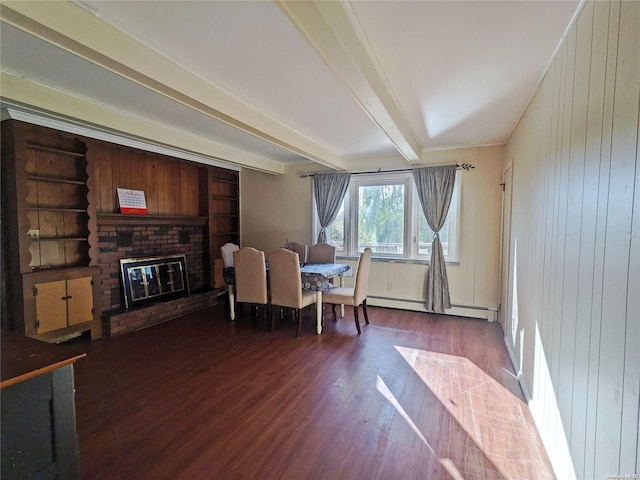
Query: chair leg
x,y
264,317
333,310
355,316
273,318
364,309
299,323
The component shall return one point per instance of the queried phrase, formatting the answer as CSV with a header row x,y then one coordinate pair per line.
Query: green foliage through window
x,y
381,218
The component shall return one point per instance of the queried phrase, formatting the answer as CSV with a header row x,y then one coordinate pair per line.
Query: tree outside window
x,y
383,212
381,218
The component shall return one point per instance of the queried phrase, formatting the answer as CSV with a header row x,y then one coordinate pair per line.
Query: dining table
x,y
315,276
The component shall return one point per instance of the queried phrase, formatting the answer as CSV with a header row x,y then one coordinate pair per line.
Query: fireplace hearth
x,y
147,280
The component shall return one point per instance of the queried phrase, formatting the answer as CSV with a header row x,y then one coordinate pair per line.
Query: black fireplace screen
x,y
149,279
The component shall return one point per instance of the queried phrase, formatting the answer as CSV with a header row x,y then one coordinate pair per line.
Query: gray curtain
x,y
329,190
435,187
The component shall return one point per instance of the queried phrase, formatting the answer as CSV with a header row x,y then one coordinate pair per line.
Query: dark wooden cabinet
x,y
38,410
48,227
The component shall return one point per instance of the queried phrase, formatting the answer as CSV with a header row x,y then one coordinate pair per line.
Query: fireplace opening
x,y
153,279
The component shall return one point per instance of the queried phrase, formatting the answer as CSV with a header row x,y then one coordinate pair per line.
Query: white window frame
x,y
412,211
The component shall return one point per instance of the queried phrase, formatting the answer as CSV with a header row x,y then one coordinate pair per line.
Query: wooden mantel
x,y
119,219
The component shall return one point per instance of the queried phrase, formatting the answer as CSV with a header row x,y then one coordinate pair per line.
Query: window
x,y
383,212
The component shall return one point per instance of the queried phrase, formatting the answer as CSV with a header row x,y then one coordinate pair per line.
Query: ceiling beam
x,y
63,111
66,25
332,29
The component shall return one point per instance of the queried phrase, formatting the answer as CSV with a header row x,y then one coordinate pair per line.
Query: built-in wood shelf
x,y
59,239
42,148
58,209
224,197
224,180
40,178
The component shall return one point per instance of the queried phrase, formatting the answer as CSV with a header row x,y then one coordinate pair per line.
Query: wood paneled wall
x,y
574,322
171,186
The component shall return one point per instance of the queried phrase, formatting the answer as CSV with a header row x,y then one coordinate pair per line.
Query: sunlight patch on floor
x,y
492,417
445,462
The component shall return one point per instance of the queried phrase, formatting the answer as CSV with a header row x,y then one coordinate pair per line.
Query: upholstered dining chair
x,y
286,284
356,295
251,279
227,253
321,253
300,248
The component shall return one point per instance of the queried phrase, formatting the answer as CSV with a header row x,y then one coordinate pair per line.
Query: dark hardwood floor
x,y
415,396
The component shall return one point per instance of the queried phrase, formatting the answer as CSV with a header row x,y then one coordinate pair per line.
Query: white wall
x,y
574,329
276,208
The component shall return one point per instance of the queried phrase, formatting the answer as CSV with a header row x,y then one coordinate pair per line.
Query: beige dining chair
x,y
300,248
356,295
286,284
321,253
251,279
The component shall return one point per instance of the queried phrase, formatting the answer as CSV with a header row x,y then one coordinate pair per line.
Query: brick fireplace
x,y
121,237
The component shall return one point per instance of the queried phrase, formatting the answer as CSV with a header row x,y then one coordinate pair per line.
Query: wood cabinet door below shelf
x,y
80,300
51,307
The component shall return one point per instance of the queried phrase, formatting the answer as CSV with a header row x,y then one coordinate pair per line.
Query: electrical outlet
x,y
34,234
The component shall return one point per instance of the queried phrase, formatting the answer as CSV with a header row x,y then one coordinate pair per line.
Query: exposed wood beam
x,y
20,92
79,32
334,32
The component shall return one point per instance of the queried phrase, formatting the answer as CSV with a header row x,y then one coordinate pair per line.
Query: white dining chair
x,y
226,251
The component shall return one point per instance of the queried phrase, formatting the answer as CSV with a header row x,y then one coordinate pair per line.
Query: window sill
x,y
408,261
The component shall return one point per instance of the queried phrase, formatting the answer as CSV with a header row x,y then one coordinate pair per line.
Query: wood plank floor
x,y
415,396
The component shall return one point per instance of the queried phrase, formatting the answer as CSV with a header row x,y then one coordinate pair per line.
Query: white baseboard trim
x,y
417,305
516,368
559,455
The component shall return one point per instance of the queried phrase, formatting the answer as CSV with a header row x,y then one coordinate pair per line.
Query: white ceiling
x,y
265,84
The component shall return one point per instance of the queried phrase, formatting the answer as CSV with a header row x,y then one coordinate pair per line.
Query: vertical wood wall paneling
x,y
115,171
138,167
632,374
577,139
552,347
609,406
546,325
188,189
576,203
624,162
562,159
171,188
550,132
184,189
152,191
124,161
599,131
564,380
593,46
176,190
105,174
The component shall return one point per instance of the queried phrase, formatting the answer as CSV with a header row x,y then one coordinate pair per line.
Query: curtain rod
x,y
459,166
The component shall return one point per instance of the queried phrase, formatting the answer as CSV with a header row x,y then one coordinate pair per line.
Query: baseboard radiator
x,y
417,305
